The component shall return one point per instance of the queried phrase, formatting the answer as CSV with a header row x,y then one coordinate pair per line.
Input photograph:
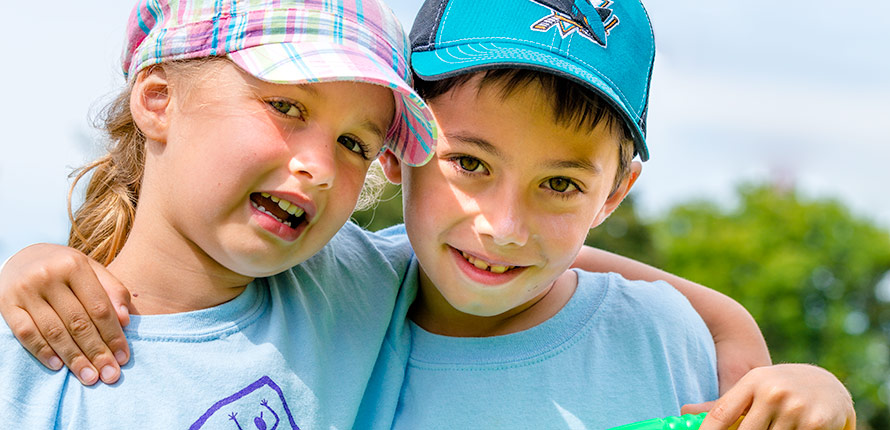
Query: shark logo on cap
x,y
581,16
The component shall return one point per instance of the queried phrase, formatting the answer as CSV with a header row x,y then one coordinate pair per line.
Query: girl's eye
x,y
286,108
354,145
561,185
469,164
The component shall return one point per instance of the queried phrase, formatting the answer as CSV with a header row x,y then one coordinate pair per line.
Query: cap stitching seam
x,y
572,57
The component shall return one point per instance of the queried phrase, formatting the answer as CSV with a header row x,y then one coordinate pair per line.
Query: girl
x,y
239,150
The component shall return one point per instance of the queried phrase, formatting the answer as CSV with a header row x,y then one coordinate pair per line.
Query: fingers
x,y
29,336
119,295
56,334
697,408
77,341
785,396
728,409
57,308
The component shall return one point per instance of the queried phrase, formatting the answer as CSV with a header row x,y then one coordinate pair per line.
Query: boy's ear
x,y
392,167
619,194
149,103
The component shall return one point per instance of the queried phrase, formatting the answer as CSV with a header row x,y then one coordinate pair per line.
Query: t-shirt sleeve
x,y
29,393
678,336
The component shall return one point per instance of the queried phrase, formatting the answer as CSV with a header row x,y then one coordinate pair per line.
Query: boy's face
x,y
507,202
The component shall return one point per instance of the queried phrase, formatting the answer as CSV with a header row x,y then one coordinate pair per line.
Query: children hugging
x,y
218,224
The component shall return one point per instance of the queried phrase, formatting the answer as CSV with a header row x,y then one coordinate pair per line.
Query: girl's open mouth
x,y
283,211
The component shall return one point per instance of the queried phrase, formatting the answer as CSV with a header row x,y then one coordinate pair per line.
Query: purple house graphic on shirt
x,y
260,405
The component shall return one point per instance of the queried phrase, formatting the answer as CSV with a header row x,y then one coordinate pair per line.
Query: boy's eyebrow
x,y
578,163
476,141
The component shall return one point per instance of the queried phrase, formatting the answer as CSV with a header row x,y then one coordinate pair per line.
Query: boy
x,y
542,110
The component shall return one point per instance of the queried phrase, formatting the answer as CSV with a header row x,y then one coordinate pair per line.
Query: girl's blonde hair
x,y
100,226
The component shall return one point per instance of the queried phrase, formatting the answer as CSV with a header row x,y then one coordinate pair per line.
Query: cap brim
x,y
412,136
467,58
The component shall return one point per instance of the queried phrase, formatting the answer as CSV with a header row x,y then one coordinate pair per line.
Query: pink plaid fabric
x,y
291,41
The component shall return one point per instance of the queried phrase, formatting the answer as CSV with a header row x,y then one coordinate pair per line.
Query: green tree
x,y
625,234
807,270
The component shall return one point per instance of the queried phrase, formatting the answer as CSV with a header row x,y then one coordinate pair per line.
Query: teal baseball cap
x,y
605,45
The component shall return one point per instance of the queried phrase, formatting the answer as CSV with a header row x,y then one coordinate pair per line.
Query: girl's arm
x,y
792,395
739,343
53,300
782,396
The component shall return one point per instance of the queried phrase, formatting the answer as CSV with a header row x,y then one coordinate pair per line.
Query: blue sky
x,y
793,91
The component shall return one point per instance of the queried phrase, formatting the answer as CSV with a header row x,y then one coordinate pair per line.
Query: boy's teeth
x,y
283,204
266,195
498,269
483,265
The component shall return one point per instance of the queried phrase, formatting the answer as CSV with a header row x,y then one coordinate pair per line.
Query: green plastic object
x,y
682,422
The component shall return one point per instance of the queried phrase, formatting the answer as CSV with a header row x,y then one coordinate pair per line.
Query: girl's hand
x,y
53,300
782,396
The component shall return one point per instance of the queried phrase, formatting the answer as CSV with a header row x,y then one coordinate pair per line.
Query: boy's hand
x,y
782,396
52,298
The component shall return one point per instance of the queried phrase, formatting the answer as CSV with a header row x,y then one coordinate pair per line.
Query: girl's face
x,y
260,176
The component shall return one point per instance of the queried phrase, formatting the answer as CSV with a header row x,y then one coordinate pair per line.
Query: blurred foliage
x,y
806,269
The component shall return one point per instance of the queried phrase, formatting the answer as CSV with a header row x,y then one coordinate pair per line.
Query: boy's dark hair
x,y
572,104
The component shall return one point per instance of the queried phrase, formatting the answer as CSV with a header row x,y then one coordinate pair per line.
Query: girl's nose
x,y
314,163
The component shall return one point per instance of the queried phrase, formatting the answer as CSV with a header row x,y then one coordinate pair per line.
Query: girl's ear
x,y
619,194
150,101
392,167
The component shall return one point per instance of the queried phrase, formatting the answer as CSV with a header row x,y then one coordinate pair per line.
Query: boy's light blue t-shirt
x,y
619,352
295,350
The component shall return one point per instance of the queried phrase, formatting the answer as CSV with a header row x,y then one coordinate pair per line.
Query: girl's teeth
x,y
283,204
480,264
263,210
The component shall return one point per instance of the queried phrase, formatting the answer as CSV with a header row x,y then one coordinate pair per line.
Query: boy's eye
x,y
286,108
560,185
469,163
354,145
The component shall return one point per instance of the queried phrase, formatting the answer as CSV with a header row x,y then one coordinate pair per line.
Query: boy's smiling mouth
x,y
283,211
484,265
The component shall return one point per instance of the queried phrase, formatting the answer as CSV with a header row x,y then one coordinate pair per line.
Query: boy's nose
x,y
503,221
315,163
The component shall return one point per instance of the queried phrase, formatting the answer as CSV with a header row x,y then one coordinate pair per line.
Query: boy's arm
x,y
53,300
739,343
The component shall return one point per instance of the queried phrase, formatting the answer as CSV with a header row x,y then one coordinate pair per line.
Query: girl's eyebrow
x,y
374,128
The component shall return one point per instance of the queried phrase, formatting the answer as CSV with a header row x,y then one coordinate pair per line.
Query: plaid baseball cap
x,y
604,45
291,42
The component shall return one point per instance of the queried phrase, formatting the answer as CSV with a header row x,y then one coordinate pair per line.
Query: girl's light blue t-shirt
x,y
295,350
